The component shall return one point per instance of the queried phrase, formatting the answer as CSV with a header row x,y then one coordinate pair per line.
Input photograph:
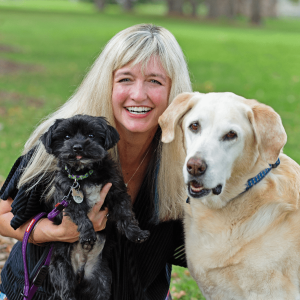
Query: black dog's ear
x,y
46,138
111,137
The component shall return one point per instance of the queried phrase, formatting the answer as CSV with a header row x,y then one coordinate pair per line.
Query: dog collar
x,y
254,180
79,177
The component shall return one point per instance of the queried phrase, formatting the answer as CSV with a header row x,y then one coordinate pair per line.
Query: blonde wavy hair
x,y
135,44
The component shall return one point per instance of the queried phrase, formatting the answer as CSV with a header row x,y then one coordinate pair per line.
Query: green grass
x,y
59,40
183,286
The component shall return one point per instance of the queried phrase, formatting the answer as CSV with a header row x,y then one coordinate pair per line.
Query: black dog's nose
x,y
77,148
196,166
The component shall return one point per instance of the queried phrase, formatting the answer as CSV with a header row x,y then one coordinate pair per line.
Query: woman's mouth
x,y
138,110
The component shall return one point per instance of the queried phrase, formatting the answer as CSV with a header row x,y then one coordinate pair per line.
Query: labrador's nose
x,y
196,166
77,148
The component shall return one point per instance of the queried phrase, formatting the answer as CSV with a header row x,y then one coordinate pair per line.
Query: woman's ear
x,y
174,112
46,138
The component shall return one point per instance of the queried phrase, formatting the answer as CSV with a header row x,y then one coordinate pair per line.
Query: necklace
x,y
137,167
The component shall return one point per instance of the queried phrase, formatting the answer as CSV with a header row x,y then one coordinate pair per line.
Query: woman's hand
x,y
97,216
67,230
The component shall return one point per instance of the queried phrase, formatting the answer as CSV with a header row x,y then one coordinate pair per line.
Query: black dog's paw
x,y
87,244
137,235
88,240
143,236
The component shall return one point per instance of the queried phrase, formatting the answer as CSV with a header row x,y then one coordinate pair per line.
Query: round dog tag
x,y
77,195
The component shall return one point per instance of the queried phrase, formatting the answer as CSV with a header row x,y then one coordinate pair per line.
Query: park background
x,y
47,47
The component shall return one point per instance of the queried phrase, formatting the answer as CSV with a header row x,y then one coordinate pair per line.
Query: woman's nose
x,y
138,92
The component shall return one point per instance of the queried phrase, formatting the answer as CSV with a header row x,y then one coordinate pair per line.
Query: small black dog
x,y
80,144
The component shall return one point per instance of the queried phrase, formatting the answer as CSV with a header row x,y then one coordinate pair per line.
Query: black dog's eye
x,y
230,136
67,137
91,136
194,127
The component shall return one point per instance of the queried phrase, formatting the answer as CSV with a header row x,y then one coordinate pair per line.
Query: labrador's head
x,y
227,138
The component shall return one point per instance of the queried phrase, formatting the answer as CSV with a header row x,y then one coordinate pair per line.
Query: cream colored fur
x,y
239,246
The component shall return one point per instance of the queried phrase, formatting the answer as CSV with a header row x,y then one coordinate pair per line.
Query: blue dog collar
x,y
254,180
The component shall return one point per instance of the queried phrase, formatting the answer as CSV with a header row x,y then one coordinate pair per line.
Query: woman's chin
x,y
138,127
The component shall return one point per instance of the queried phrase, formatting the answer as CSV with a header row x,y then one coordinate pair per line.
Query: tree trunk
x,y
231,11
175,7
213,11
194,5
256,12
100,4
272,8
127,5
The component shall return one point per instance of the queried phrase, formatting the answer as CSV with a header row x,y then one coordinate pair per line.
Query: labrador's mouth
x,y
197,190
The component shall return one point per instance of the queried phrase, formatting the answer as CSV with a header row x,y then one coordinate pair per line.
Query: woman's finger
x,y
103,194
99,219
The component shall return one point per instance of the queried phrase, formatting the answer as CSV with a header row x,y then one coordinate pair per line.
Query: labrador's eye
x,y
230,136
194,127
91,136
67,137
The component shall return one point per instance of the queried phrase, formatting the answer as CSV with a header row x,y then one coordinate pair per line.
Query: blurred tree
x,y
127,5
175,7
213,11
255,17
231,11
194,7
100,4
221,8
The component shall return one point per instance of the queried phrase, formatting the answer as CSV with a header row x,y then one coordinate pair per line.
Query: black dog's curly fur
x,y
77,270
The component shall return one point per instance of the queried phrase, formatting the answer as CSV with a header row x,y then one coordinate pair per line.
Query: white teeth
x,y
138,109
196,190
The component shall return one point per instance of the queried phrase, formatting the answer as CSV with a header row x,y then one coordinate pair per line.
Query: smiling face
x,y
140,96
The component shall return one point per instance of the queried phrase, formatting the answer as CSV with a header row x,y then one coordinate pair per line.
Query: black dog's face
x,y
81,140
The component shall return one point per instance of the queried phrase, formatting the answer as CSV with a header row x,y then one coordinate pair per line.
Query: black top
x,y
140,271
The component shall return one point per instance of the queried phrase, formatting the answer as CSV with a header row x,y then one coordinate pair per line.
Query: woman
x,y
139,72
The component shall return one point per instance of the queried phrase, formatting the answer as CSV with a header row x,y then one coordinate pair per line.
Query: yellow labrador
x,y
242,236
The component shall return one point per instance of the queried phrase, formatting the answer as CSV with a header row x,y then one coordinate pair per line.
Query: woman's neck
x,y
133,146
135,152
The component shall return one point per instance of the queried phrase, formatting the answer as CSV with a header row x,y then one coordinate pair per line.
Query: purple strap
x,y
29,290
24,246
57,210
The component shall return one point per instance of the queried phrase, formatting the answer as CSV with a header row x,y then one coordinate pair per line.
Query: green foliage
x,y
51,44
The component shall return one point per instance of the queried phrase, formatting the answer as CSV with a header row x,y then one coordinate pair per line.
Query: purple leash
x,y
30,289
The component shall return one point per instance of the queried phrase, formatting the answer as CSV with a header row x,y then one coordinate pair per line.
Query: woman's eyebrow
x,y
123,73
157,75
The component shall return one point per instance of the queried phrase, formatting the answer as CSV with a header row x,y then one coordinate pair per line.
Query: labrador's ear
x,y
46,138
269,132
111,137
175,111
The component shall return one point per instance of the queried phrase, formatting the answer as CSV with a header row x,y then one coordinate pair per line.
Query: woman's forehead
x,y
152,67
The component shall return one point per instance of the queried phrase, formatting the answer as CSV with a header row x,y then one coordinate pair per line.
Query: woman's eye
x,y
230,135
194,127
155,81
124,80
91,136
67,137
